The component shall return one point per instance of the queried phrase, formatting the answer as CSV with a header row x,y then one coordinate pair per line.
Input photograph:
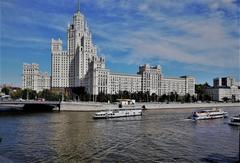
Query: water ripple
x,y
158,136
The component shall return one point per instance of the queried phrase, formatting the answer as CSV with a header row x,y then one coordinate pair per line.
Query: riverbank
x,y
95,106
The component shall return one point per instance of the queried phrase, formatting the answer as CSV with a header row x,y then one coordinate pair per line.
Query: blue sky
x,y
186,37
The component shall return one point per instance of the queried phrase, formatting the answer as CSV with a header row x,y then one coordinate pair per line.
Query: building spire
x,y
78,6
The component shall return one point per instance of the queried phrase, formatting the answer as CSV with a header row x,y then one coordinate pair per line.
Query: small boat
x,y
116,113
235,120
125,109
209,114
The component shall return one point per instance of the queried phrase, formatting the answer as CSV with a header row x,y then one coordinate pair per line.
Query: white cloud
x,y
57,21
153,29
193,39
229,5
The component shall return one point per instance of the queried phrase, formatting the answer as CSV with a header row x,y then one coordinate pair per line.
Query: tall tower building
x,y
69,68
79,66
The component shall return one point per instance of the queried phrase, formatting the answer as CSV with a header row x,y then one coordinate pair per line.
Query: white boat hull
x,y
209,114
234,123
117,113
209,117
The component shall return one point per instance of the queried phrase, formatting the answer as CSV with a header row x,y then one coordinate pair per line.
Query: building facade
x,y
182,85
97,76
124,82
33,79
69,68
80,66
150,79
225,87
224,82
153,81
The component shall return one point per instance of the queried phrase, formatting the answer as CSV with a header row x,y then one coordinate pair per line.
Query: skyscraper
x,y
69,68
79,66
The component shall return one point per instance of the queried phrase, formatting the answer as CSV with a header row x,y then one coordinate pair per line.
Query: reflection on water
x,y
157,136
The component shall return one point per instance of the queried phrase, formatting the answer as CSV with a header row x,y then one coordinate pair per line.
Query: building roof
x,y
122,74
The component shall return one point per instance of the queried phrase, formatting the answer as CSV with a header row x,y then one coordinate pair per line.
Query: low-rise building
x,y
225,87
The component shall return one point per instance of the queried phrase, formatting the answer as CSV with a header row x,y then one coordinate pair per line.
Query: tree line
x,y
30,94
80,94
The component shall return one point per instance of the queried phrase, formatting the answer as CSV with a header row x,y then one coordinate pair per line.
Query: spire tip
x,y
78,6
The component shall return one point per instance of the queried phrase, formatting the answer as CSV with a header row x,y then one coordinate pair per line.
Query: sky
x,y
186,37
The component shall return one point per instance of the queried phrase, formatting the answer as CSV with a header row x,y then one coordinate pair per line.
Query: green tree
x,y
187,97
207,97
81,93
140,96
172,97
29,94
50,95
200,90
181,98
102,97
6,90
154,97
126,95
16,94
193,98
163,98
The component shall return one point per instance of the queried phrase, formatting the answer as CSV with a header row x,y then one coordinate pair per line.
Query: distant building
x,y
150,79
124,82
44,81
224,82
182,85
101,80
79,66
225,87
33,79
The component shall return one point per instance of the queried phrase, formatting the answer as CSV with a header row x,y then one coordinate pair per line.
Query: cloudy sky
x,y
186,37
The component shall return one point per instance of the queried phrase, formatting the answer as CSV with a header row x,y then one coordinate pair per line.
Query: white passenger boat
x,y
209,114
235,120
116,113
125,109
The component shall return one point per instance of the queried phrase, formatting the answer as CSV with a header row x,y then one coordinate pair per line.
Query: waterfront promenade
x,y
95,106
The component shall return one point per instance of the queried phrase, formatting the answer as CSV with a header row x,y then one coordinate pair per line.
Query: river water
x,y
157,136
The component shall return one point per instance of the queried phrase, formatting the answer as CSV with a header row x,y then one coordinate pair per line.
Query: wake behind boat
x,y
126,109
209,114
235,120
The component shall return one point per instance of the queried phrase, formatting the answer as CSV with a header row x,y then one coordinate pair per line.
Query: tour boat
x,y
125,109
209,114
116,113
235,120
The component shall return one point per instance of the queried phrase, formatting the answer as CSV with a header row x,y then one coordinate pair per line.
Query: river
x,y
158,136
